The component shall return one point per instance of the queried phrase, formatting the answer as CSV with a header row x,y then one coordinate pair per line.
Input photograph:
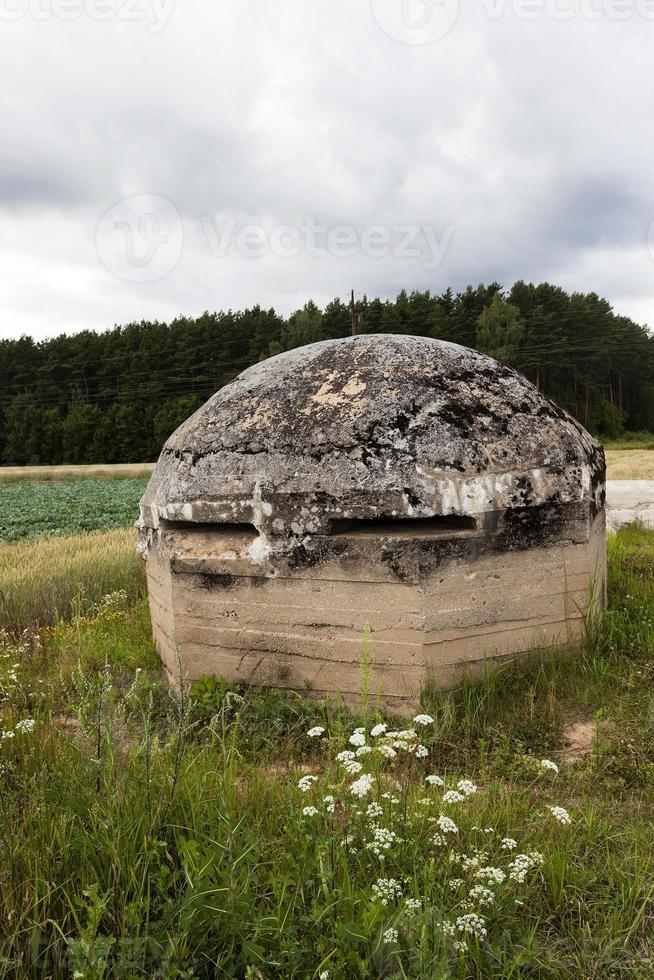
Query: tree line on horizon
x,y
115,396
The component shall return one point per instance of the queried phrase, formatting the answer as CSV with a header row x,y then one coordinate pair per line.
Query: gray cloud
x,y
525,138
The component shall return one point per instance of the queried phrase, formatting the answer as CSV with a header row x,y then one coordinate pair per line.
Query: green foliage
x,y
210,696
500,330
116,396
31,509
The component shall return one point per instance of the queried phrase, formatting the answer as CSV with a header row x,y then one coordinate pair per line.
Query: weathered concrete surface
x,y
398,482
628,501
304,629
371,425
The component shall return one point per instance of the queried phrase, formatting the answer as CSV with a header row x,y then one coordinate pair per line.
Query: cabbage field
x,y
30,509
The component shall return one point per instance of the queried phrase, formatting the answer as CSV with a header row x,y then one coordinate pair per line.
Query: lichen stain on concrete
x,y
348,394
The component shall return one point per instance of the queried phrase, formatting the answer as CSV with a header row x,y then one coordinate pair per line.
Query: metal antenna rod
x,y
355,315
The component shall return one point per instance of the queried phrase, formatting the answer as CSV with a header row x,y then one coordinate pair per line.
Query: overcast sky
x,y
162,157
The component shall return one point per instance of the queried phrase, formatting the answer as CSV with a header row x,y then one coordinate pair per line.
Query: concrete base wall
x,y
214,611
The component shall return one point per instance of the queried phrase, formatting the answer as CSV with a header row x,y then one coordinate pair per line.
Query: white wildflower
x,y
390,936
446,825
423,720
482,895
561,814
472,925
453,797
467,787
421,751
412,906
310,811
509,844
391,797
549,765
383,839
352,768
492,875
434,780
425,801
522,864
364,750
362,786
469,862
358,738
439,840
330,803
374,810
345,756
316,732
4,735
25,726
387,750
305,783
456,882
386,890
378,730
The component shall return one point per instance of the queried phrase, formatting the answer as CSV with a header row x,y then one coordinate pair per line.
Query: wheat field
x,y
43,578
68,472
630,464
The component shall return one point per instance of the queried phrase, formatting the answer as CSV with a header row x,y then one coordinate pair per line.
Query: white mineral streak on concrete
x,y
628,501
260,550
468,496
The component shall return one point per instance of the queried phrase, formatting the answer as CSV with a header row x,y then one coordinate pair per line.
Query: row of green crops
x,y
31,509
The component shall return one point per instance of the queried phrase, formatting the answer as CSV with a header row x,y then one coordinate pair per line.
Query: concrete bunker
x,y
401,484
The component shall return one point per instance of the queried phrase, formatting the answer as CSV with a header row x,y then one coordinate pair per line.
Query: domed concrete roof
x,y
371,426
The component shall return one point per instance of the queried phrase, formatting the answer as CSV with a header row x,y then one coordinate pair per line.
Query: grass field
x,y
148,837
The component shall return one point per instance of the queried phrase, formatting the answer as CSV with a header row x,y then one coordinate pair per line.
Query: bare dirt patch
x,y
578,739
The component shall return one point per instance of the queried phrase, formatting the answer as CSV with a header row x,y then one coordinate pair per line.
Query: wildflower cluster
x,y
375,810
561,815
24,727
386,890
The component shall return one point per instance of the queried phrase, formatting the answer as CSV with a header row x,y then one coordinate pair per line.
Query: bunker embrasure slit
x,y
406,527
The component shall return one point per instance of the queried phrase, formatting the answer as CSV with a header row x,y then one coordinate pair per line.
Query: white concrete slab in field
x,y
628,501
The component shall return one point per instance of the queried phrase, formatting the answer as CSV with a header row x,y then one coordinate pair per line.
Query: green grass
x,y
146,837
30,509
632,440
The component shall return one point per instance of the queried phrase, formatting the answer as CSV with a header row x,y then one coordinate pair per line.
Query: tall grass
x,y
46,578
144,837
